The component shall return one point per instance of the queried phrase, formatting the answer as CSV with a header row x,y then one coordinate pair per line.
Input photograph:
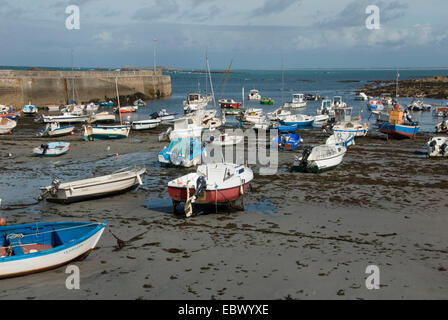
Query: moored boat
x,y
361,96
442,127
65,118
319,159
212,184
278,114
182,152
396,128
93,133
29,109
7,125
298,102
37,247
52,149
300,120
102,117
268,101
254,94
92,188
344,139
54,129
286,142
145,124
127,109
438,147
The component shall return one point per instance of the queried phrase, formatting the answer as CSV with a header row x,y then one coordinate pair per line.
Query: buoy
x,y
72,133
2,222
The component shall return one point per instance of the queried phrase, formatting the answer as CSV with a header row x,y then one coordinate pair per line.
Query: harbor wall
x,y
43,87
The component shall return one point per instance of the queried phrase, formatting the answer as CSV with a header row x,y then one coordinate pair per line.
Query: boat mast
x,y
73,77
283,82
396,88
118,100
211,84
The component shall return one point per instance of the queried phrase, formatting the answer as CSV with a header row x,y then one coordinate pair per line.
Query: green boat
x,y
267,101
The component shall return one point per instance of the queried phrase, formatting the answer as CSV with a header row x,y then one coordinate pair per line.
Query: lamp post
x,y
155,40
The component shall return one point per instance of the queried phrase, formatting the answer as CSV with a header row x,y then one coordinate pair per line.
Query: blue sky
x,y
256,34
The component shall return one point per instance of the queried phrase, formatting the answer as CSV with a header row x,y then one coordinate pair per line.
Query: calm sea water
x,y
327,83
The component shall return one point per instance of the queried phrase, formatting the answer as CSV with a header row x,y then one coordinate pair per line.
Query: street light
x,y
154,40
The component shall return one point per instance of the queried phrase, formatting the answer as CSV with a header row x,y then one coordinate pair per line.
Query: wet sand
x,y
302,236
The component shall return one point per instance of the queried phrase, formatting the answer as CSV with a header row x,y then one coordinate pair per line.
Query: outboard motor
x,y
305,155
44,148
201,186
444,148
432,145
154,115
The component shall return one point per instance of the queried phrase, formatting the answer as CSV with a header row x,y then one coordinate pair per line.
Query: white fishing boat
x,y
254,94
52,149
164,115
320,158
224,139
212,184
361,96
326,108
386,99
194,102
90,108
93,133
298,101
345,123
7,125
145,124
320,120
73,109
65,118
301,120
102,117
344,139
92,188
54,129
183,128
438,147
278,114
253,115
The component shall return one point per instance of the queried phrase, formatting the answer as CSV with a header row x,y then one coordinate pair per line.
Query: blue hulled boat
x,y
286,142
36,247
182,152
396,128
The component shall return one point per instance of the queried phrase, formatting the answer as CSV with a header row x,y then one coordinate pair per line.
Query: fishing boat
x,y
262,125
319,159
54,129
65,118
229,104
212,184
106,104
183,128
254,94
396,128
298,101
286,142
442,127
29,109
145,124
93,133
361,96
194,102
320,119
268,101
102,117
52,149
326,108
182,152
300,120
7,125
438,147
441,111
128,109
224,139
139,103
344,139
252,115
375,105
104,186
278,114
163,115
37,247
52,108
343,122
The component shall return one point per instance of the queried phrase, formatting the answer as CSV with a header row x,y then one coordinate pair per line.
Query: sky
x,y
254,34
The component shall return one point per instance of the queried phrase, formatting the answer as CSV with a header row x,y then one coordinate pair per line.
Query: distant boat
x,y
104,186
269,101
254,94
163,115
286,142
7,125
54,129
106,104
102,117
145,124
93,133
298,119
29,109
361,96
442,127
139,103
128,109
36,247
298,101
52,149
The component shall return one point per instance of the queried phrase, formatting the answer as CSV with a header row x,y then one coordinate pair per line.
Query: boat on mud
x,y
319,159
442,127
52,149
7,125
344,139
145,124
94,133
286,142
300,120
182,152
29,109
278,114
399,126
54,129
101,118
438,147
37,247
104,186
212,184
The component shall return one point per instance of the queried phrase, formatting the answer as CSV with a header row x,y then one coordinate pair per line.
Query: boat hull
x,y
219,196
302,124
105,133
14,266
319,166
398,131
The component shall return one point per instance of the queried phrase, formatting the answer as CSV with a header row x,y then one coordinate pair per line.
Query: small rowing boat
x,y
7,125
37,247
145,124
94,133
104,186
300,120
52,149
54,129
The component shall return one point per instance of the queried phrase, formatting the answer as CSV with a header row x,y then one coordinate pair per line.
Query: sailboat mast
x,y
283,82
73,77
118,100
211,84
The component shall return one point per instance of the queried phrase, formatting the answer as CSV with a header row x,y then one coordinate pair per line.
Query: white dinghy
x,y
319,159
86,189
54,129
145,124
7,125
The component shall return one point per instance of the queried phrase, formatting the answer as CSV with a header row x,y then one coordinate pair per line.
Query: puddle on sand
x,y
264,207
163,205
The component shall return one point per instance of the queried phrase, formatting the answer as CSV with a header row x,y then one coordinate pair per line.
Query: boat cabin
x,y
343,114
298,97
194,97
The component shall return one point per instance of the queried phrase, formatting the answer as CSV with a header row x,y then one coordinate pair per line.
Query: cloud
x,y
158,11
270,7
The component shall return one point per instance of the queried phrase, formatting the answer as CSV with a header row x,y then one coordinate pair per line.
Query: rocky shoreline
x,y
433,88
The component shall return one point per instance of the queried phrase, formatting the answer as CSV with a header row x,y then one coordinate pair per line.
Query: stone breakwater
x,y
433,88
43,87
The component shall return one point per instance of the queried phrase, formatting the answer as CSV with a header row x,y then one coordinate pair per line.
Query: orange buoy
x,y
2,222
